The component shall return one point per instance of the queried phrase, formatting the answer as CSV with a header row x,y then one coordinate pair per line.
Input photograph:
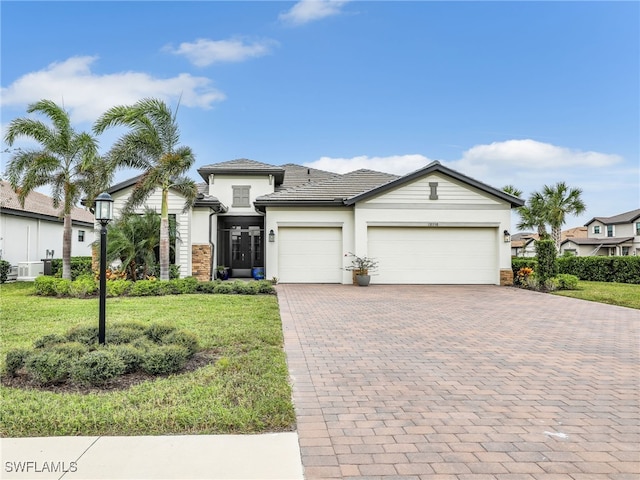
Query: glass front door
x,y
241,245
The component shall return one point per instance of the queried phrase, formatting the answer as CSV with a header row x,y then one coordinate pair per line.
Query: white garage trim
x,y
310,254
441,255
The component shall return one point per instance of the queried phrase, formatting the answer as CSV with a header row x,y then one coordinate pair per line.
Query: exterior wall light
x,y
104,214
507,236
272,236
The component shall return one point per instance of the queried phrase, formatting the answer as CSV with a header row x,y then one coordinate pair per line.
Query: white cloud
x,y
532,155
204,52
397,164
86,95
306,11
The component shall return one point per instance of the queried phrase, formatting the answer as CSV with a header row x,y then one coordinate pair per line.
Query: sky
x,y
520,93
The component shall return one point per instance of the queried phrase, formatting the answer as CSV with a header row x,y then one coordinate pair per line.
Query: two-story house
x,y
609,236
434,225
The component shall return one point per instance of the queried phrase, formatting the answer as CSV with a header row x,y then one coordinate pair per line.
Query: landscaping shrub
x,y
566,281
208,287
97,367
164,359
117,288
85,334
146,288
156,331
47,367
130,356
546,254
119,334
45,286
84,286
5,267
70,350
602,269
62,287
48,340
15,359
79,266
224,288
184,339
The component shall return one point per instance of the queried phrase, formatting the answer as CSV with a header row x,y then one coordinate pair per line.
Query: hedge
x,y
594,268
79,266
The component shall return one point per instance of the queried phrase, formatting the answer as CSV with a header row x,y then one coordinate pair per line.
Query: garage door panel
x,y
434,255
310,255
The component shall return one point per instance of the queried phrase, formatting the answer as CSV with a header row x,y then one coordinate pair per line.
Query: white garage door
x,y
434,255
310,255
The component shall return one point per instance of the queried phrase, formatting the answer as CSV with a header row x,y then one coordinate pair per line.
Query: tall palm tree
x,y
559,201
532,213
67,161
151,145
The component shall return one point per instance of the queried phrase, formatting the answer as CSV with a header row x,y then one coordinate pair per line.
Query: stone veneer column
x,y
506,277
201,262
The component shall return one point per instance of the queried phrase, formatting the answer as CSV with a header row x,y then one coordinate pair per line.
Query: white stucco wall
x,y
221,187
24,239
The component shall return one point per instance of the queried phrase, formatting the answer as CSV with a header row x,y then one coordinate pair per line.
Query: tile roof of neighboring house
x,y
576,232
335,189
625,217
605,242
38,205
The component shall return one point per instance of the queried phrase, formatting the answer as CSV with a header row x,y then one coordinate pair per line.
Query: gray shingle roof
x,y
608,241
625,217
37,204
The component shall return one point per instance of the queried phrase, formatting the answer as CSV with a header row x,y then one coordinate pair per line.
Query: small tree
x,y
547,267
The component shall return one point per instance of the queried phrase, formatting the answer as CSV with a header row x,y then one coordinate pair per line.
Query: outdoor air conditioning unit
x,y
28,271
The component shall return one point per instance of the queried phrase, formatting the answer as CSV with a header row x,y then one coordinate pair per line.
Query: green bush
x,y
121,333
5,267
48,340
146,288
47,367
130,356
85,334
117,288
157,331
97,367
45,286
523,262
79,266
15,359
602,269
546,254
566,281
71,350
208,287
62,287
84,286
174,271
184,339
224,288
164,359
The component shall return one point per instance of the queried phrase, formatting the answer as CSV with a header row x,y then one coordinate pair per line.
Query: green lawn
x,y
245,391
622,294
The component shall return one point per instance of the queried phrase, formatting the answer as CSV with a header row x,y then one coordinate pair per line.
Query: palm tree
x,y
152,146
67,161
531,214
560,201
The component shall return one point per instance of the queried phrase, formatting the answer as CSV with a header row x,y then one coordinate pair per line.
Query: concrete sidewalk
x,y
267,456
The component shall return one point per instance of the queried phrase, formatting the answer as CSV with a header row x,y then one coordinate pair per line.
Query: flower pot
x,y
363,280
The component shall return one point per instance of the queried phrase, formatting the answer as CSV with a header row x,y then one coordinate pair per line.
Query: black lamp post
x,y
104,214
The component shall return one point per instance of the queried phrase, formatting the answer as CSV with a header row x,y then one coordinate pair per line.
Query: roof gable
x,y
436,167
626,217
242,167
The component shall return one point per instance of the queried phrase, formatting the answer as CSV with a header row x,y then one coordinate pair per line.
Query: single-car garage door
x,y
434,255
310,254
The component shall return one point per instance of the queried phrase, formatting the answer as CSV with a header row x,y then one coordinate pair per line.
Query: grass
x,y
622,294
245,391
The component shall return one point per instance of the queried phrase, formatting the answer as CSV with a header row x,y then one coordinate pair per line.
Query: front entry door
x,y
241,245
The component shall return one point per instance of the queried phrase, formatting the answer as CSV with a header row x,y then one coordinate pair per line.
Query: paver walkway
x,y
462,382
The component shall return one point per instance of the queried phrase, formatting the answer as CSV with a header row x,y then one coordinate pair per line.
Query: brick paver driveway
x,y
462,382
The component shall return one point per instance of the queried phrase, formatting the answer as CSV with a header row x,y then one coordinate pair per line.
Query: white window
x,y
610,232
81,235
241,196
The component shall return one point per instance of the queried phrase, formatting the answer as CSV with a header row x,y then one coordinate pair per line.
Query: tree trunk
x,y
66,247
164,236
556,234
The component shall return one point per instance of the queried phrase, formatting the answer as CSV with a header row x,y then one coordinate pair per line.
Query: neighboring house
x,y
34,232
434,225
523,244
608,236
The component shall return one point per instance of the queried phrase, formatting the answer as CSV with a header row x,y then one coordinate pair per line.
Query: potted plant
x,y
361,268
223,272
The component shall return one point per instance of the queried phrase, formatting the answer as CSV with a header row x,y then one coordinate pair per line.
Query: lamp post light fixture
x,y
104,214
507,236
272,236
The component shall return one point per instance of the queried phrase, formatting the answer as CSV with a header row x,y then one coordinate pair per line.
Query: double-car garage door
x,y
407,255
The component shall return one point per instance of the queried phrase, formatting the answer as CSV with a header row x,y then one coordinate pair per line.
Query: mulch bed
x,y
123,382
